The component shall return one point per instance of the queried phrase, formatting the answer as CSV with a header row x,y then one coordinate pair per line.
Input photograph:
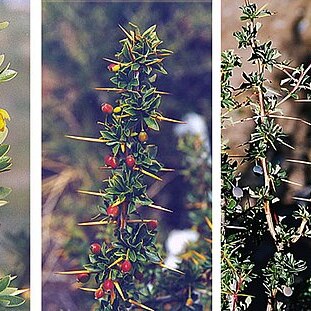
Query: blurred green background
x,y
14,217
76,37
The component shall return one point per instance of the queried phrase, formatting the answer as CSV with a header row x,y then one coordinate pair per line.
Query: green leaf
x,y
11,301
140,234
132,255
135,66
5,163
153,256
7,75
152,151
143,200
149,92
4,283
4,192
115,149
108,135
4,149
149,30
4,25
141,257
10,291
152,123
153,78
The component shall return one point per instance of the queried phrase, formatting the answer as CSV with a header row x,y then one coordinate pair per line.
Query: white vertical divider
x,y
35,155
216,154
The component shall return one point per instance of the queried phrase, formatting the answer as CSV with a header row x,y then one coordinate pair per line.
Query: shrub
x,y
130,254
258,240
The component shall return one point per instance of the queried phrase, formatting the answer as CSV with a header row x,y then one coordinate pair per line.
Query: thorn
x,y
150,174
88,289
156,61
163,169
21,291
160,208
303,100
97,140
111,61
117,202
126,33
162,93
133,302
209,223
95,223
285,144
118,287
115,262
100,194
302,199
292,182
299,161
73,272
162,265
108,89
291,118
161,118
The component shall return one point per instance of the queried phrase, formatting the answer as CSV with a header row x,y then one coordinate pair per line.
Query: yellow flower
x,y
4,115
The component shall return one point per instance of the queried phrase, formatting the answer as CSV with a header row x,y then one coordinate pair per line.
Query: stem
x,y
123,218
300,230
271,300
235,295
264,165
267,202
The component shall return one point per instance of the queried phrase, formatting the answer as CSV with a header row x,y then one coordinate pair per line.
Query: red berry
x,y
114,162
152,225
142,136
108,285
126,266
111,161
107,108
130,161
99,293
113,211
95,248
83,277
107,159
